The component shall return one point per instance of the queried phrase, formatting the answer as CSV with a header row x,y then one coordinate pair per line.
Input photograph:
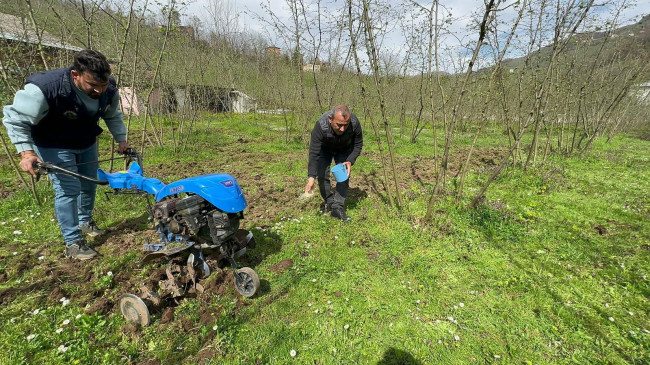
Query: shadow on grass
x,y
135,223
265,288
265,246
394,356
507,233
380,191
355,196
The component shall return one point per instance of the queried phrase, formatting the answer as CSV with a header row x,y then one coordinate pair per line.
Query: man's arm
x,y
358,143
314,151
114,120
28,109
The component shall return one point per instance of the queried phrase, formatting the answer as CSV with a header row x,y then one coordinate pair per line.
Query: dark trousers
x,y
333,199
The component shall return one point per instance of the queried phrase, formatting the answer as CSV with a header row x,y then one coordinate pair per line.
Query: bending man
x,y
336,136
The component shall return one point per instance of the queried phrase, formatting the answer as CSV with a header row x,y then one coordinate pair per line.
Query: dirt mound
x,y
281,266
207,318
150,362
187,325
206,354
167,315
219,283
101,305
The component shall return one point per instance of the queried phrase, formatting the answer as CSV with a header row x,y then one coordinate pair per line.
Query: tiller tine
x,y
162,253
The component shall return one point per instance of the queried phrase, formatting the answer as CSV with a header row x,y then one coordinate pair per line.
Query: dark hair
x,y
341,109
93,62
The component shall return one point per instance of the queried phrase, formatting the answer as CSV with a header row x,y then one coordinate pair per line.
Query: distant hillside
x,y
628,41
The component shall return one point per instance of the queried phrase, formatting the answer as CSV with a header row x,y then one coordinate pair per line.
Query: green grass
x,y
526,278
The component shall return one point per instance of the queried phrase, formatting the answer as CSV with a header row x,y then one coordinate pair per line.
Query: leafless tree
x,y
369,28
354,28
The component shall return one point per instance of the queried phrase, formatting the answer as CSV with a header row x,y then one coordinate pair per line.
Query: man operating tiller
x,y
54,118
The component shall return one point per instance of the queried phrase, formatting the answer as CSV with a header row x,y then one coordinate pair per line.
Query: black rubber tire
x,y
247,282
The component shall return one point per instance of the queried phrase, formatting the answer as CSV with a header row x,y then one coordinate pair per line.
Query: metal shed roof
x,y
17,29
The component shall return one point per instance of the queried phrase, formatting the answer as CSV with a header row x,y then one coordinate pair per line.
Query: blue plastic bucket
x,y
340,172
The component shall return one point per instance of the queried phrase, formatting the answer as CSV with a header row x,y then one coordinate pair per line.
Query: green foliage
x,y
5,97
551,268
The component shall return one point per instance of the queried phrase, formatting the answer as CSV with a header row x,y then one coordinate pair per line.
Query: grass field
x,y
551,269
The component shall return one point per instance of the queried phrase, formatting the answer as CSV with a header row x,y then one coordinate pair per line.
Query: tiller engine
x,y
196,218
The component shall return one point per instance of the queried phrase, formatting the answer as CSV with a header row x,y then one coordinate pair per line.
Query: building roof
x,y
13,28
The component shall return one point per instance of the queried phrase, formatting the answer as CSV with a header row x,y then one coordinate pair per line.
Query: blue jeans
x,y
74,199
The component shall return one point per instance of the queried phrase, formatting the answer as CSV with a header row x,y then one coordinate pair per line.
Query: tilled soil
x,y
267,203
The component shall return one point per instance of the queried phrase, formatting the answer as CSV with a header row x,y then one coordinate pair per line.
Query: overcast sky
x,y
461,9
252,17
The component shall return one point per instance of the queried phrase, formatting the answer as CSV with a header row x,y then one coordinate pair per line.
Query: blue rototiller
x,y
196,218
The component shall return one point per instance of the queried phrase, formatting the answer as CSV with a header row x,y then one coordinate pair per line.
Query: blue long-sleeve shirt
x,y
30,106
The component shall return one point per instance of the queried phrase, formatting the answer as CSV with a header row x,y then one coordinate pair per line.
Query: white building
x,y
643,92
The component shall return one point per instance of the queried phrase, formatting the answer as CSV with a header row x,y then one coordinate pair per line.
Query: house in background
x,y
181,29
19,49
273,51
20,57
241,103
643,92
315,67
180,99
311,67
129,101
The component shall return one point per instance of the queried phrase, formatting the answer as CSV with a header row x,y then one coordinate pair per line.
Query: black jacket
x,y
324,138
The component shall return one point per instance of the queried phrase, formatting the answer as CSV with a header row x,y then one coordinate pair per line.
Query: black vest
x,y
334,142
68,124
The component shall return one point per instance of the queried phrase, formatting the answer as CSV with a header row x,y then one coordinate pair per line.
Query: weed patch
x,y
552,267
